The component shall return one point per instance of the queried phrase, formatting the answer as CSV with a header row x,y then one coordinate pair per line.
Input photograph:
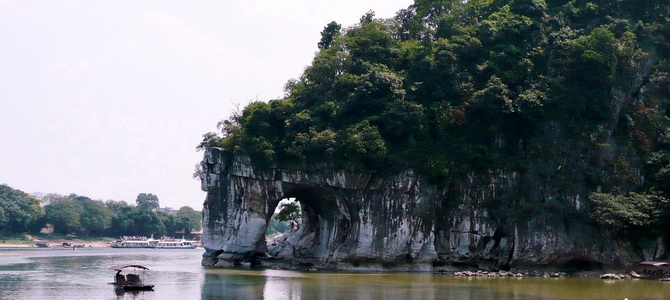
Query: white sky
x,y
108,99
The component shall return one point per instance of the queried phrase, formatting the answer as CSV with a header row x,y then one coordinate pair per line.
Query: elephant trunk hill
x,y
491,134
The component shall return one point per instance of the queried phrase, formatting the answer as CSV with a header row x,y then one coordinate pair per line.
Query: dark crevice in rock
x,y
465,265
578,265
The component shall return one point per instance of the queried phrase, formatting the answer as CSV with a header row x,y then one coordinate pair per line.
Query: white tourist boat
x,y
134,242
175,244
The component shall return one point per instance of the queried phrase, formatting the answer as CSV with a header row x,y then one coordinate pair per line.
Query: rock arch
x,y
318,214
350,220
395,222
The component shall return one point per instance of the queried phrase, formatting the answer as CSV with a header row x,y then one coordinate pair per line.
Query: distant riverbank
x,y
89,244
30,241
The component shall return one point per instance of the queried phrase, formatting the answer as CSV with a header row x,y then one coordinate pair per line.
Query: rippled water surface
x,y
177,274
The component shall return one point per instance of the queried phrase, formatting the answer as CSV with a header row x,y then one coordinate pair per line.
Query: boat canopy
x,y
119,268
654,264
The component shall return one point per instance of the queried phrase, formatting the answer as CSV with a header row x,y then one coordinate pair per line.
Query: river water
x,y
29,273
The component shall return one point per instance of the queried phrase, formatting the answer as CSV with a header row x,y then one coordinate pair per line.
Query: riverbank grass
x,y
16,239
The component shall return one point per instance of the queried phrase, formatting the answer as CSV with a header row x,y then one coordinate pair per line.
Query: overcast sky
x,y
108,99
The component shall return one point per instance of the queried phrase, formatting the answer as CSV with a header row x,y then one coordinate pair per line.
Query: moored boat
x,y
134,242
42,244
175,244
658,270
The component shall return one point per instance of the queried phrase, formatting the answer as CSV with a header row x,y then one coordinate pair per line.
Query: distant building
x,y
194,234
197,235
38,195
167,210
47,229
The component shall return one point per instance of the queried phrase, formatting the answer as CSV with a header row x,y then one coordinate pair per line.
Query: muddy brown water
x,y
177,274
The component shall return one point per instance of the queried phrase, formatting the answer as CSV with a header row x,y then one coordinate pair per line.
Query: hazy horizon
x,y
109,99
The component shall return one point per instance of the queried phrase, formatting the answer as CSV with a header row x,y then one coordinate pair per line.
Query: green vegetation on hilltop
x,y
446,83
576,90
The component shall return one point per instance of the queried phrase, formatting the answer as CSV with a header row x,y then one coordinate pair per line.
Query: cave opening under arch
x,y
317,213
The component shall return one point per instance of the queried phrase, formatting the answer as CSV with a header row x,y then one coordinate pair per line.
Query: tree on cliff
x,y
147,201
329,33
289,212
630,214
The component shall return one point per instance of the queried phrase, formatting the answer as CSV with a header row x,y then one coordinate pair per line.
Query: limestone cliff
x,y
502,135
396,222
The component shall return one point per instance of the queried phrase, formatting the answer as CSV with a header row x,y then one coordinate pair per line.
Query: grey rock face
x,y
367,221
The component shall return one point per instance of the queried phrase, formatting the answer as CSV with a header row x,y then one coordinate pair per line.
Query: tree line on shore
x,y
83,216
